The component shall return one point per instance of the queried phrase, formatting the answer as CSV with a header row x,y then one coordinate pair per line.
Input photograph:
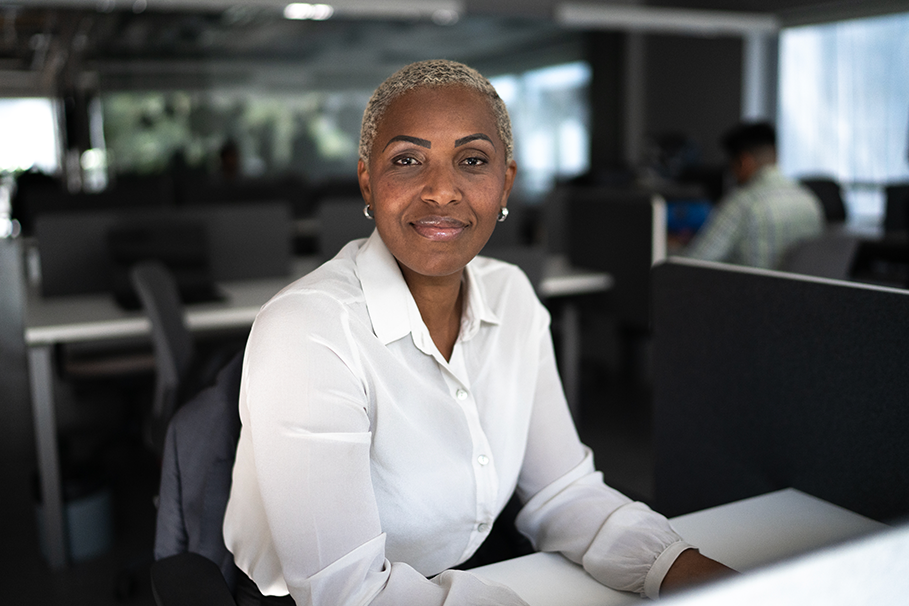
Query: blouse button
x,y
482,459
483,527
461,394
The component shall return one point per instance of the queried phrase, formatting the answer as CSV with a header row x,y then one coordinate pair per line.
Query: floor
x,y
614,420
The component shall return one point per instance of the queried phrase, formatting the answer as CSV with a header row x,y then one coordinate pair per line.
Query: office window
x,y
29,139
314,134
549,116
844,106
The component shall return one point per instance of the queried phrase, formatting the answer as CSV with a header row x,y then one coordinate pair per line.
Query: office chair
x,y
830,255
830,194
171,340
896,211
192,562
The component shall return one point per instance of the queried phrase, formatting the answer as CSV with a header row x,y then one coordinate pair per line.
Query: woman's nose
x,y
441,186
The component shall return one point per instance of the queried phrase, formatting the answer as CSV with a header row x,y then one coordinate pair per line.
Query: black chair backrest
x,y
196,468
766,380
830,194
896,212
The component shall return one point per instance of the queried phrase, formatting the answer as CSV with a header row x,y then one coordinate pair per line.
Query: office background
x,y
632,96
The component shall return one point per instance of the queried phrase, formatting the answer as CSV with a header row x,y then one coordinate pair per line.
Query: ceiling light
x,y
445,17
315,12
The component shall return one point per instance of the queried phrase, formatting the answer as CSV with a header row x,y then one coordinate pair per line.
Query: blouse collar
x,y
392,309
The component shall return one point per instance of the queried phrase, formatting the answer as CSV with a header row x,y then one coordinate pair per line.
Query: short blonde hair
x,y
432,73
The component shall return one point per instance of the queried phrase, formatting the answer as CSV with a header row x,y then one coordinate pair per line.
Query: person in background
x,y
394,399
229,160
758,222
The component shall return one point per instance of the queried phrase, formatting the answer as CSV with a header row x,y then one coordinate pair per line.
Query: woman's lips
x,y
439,228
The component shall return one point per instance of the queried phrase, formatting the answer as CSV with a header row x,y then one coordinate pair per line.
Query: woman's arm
x,y
690,569
621,543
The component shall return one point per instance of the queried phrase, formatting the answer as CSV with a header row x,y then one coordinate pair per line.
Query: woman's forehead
x,y
437,107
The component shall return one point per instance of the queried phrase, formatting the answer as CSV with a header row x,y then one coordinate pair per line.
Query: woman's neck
x,y
440,301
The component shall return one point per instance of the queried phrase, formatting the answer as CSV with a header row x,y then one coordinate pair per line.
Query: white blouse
x,y
368,465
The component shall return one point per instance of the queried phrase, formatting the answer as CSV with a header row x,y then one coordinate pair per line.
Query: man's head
x,y
750,147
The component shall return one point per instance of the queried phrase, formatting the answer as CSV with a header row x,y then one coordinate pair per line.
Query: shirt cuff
x,y
661,566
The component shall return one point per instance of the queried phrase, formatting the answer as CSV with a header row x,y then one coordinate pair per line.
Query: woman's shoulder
x,y
332,285
506,286
495,271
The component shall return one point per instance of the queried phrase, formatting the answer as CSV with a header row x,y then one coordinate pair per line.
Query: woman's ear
x,y
511,170
363,178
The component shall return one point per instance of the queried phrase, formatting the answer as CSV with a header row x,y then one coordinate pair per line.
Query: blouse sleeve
x,y
306,463
621,543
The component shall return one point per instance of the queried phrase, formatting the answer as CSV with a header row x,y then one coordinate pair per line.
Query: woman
x,y
395,398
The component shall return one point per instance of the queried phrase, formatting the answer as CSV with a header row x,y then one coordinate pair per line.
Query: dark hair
x,y
748,137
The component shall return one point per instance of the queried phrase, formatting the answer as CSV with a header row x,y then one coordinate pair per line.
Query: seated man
x,y
765,215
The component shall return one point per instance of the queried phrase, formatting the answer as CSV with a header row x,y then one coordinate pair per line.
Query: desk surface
x,y
95,317
744,535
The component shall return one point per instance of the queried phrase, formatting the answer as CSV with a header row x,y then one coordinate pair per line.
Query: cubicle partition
x,y
766,380
341,220
622,233
238,242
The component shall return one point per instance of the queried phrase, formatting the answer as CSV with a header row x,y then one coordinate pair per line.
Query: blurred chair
x,y
896,213
829,255
171,340
199,451
830,194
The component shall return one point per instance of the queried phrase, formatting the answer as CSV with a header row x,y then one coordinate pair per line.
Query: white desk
x,y
744,535
73,319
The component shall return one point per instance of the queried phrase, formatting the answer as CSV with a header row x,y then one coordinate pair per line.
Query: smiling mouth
x,y
439,229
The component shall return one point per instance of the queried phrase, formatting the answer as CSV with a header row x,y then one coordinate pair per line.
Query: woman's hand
x,y
691,568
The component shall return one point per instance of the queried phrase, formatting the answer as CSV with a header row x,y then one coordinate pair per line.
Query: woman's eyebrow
x,y
409,139
473,137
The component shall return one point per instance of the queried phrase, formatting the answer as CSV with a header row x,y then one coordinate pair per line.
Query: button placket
x,y
485,475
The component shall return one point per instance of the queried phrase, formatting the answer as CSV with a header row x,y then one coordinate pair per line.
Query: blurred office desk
x,y
744,535
90,318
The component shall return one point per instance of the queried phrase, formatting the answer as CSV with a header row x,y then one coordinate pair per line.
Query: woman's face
x,y
436,179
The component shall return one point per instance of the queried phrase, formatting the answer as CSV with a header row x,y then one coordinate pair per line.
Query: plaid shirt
x,y
758,222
